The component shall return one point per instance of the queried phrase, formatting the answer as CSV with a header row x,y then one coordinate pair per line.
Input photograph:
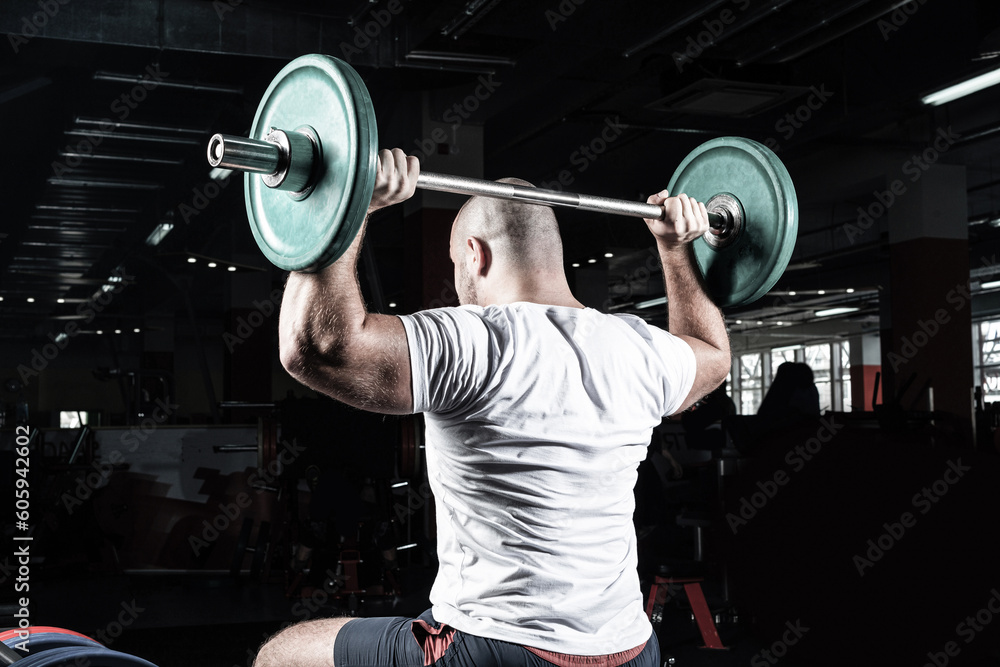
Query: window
x,y
781,355
987,359
73,419
818,358
843,348
751,384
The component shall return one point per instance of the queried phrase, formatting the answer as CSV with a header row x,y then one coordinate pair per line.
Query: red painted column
x,y
927,323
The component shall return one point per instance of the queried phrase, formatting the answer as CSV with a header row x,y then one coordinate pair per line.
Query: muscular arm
x,y
327,338
691,314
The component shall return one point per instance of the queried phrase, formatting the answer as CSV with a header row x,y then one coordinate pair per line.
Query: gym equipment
x,y
260,550
266,447
55,647
314,145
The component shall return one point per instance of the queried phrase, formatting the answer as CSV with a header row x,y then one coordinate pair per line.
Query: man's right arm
x,y
691,314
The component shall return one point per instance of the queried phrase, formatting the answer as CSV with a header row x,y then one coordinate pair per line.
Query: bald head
x,y
520,235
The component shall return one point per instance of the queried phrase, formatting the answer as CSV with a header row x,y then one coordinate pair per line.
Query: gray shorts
x,y
422,642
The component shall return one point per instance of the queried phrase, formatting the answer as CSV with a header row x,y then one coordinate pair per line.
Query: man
x,y
538,412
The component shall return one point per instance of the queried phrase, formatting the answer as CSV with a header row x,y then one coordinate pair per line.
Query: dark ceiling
x,y
109,104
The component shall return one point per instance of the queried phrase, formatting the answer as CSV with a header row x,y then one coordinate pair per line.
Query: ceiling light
x,y
159,233
137,330
576,265
1,298
792,293
739,321
392,304
651,303
60,300
609,255
591,261
212,265
780,324
822,291
191,260
963,88
99,332
850,290
760,322
61,338
836,311
31,299
232,268
118,331
990,285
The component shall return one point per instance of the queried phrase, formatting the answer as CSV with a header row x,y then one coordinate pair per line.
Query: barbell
x,y
311,162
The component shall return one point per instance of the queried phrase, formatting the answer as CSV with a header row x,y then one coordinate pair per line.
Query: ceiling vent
x,y
735,99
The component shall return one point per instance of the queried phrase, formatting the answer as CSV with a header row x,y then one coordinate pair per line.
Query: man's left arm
x,y
327,338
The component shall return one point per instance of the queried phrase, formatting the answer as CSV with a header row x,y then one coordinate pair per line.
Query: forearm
x,y
690,310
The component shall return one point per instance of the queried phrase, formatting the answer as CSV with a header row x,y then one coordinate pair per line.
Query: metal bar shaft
x,y
265,157
472,186
253,155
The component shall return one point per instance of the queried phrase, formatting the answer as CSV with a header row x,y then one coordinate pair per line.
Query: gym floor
x,y
206,621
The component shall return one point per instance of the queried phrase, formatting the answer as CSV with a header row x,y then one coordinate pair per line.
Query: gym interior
x,y
174,494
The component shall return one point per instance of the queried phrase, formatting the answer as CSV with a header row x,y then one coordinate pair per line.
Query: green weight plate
x,y
749,267
328,96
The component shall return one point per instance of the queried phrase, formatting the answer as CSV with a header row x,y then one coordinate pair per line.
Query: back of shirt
x,y
537,419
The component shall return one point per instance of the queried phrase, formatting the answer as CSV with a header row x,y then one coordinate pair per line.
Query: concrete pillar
x,y
448,149
926,328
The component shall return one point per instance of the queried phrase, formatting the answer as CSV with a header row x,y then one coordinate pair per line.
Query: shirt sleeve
x,y
671,359
680,368
450,358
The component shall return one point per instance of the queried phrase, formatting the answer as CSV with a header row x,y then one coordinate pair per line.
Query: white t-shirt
x,y
537,418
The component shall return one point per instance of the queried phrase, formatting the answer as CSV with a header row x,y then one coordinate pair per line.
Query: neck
x,y
541,288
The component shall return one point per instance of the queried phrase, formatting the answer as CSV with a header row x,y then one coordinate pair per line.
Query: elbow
x,y
302,356
720,366
293,359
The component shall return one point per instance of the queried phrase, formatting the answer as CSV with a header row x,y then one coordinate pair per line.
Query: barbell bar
x,y
273,160
311,160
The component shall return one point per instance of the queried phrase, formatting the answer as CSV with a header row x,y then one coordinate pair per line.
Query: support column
x,y
866,363
927,336
249,345
447,148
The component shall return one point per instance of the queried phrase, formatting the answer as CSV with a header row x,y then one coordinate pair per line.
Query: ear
x,y
479,256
